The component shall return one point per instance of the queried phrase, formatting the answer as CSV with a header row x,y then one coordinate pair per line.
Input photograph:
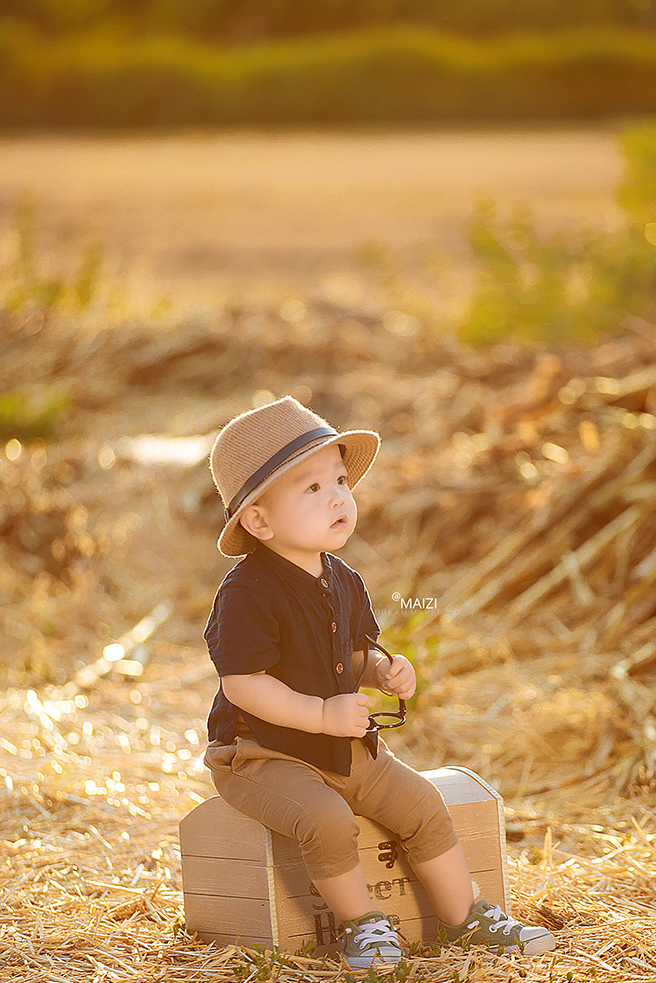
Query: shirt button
x,y
334,627
323,582
339,668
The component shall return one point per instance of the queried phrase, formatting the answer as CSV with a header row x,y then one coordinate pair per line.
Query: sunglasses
x,y
385,719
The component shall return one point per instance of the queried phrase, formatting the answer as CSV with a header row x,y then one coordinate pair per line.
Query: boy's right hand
x,y
345,715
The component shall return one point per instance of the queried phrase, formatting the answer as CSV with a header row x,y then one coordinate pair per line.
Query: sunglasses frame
x,y
399,715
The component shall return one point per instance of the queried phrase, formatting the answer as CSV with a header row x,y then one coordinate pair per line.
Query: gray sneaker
x,y
370,940
488,925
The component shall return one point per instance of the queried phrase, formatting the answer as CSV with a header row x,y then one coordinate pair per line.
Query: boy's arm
x,y
270,699
368,676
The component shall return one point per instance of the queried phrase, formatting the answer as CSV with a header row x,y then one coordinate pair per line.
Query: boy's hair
x,y
257,447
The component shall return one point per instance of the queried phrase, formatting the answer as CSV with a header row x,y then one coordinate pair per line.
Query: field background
x,y
235,267
198,215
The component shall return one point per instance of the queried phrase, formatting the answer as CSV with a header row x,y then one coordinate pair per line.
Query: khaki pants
x,y
318,808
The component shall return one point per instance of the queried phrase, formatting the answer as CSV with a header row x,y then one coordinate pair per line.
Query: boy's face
x,y
307,511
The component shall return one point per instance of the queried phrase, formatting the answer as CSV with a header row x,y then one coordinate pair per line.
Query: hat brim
x,y
360,450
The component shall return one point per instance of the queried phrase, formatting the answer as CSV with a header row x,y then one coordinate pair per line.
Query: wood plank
x,y
472,817
225,878
459,785
230,916
214,822
482,853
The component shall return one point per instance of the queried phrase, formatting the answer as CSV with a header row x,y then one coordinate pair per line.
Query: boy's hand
x,y
398,678
345,715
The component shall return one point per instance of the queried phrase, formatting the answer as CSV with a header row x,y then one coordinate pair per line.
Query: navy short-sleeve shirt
x,y
271,615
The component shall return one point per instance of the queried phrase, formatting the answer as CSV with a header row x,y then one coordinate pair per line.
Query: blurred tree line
x,y
231,22
127,63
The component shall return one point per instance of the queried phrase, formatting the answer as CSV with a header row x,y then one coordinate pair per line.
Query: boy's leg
x,y
402,799
395,795
447,882
292,798
347,895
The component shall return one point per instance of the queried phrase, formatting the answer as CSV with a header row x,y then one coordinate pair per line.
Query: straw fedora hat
x,y
259,446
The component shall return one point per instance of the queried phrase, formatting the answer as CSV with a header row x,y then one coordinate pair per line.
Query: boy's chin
x,y
339,539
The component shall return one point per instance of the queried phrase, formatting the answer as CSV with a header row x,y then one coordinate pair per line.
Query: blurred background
x,y
165,63
433,218
436,219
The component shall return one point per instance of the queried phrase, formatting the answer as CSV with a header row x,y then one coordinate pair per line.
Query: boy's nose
x,y
338,496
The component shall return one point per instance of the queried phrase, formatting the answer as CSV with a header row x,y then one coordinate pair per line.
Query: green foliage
x,y
414,639
110,77
85,285
567,286
23,284
26,416
398,973
262,964
637,194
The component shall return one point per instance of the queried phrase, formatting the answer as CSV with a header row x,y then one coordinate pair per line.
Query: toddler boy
x,y
290,737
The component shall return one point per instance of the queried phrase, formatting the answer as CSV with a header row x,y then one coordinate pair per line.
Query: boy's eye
x,y
342,480
314,486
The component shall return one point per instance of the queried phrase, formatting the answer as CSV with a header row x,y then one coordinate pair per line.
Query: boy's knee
x,y
429,829
328,838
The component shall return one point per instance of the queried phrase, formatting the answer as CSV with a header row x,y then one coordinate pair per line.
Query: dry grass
x,y
552,707
91,883
493,469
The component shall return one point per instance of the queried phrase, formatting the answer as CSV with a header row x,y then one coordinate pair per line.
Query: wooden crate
x,y
245,884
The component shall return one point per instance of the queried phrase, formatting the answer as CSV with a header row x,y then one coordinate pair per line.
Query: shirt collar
x,y
291,571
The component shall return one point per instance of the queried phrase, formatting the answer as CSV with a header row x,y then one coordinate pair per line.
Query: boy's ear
x,y
254,521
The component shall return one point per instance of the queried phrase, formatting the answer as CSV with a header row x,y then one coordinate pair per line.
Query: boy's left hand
x,y
398,678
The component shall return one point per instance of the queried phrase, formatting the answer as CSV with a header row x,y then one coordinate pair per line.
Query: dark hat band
x,y
269,466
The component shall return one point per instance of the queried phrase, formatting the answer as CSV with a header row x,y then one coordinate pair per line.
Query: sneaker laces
x,y
503,921
376,933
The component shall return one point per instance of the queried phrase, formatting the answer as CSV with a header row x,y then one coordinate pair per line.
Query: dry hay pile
x,y
94,784
511,500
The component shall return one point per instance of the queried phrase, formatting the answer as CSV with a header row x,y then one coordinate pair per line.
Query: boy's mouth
x,y
340,523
